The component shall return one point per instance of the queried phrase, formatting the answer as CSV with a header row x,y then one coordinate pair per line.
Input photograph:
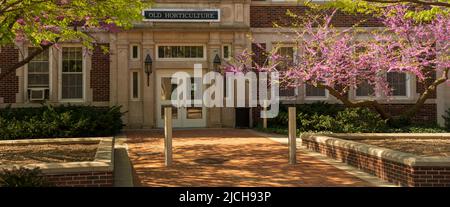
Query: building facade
x,y
177,35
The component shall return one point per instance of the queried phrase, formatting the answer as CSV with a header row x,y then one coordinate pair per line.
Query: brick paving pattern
x,y
227,157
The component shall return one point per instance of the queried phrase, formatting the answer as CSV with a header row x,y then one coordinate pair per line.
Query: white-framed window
x,y
135,52
399,83
38,76
135,85
226,52
314,93
72,74
181,52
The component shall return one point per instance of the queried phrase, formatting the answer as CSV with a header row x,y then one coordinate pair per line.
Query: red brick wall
x,y
265,16
100,74
427,114
85,179
394,172
9,86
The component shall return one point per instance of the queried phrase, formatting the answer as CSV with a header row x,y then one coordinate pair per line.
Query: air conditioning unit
x,y
37,94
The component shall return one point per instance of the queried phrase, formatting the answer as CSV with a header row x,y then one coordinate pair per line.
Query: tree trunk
x,y
409,114
363,103
405,116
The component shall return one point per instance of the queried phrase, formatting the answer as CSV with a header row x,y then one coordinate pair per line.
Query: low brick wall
x,y
393,166
96,173
86,179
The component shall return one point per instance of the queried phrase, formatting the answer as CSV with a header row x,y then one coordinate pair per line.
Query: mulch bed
x,y
46,153
423,147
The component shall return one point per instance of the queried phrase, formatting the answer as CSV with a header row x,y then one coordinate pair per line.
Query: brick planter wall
x,y
96,173
84,179
414,173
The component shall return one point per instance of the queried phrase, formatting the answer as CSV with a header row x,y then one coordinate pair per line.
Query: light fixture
x,y
148,67
217,62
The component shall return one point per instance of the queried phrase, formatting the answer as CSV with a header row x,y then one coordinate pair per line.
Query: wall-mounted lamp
x,y
148,67
217,62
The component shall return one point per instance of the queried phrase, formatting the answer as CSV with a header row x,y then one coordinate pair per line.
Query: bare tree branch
x,y
361,103
13,68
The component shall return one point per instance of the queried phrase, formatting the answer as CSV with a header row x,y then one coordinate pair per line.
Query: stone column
x,y
148,89
214,48
123,74
113,75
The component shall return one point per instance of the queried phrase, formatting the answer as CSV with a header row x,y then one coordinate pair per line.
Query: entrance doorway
x,y
242,117
182,117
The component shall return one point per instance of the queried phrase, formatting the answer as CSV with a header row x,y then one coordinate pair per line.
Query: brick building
x,y
202,30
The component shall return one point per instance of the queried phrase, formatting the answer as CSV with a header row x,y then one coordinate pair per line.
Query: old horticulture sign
x,y
182,15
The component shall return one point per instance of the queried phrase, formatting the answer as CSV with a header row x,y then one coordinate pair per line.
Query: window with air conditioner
x,y
38,76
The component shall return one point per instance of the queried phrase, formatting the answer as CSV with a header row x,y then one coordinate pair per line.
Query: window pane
x,y
313,91
226,51
365,89
287,91
397,81
72,73
38,70
288,57
135,85
38,80
194,113
72,87
180,52
135,52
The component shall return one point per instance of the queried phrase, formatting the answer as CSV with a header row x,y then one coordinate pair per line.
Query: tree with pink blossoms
x,y
339,60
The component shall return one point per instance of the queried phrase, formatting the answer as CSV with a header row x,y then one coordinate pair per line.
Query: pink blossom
x,y
21,22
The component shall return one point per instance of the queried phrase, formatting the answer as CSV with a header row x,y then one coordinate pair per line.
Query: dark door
x,y
242,117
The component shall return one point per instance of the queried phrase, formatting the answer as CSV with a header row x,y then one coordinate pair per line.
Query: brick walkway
x,y
227,157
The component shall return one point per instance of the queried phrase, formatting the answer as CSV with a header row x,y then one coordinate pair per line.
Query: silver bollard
x,y
292,136
168,135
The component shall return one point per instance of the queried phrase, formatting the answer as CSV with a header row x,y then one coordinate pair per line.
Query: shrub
x,y
418,129
353,120
323,117
22,177
61,121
